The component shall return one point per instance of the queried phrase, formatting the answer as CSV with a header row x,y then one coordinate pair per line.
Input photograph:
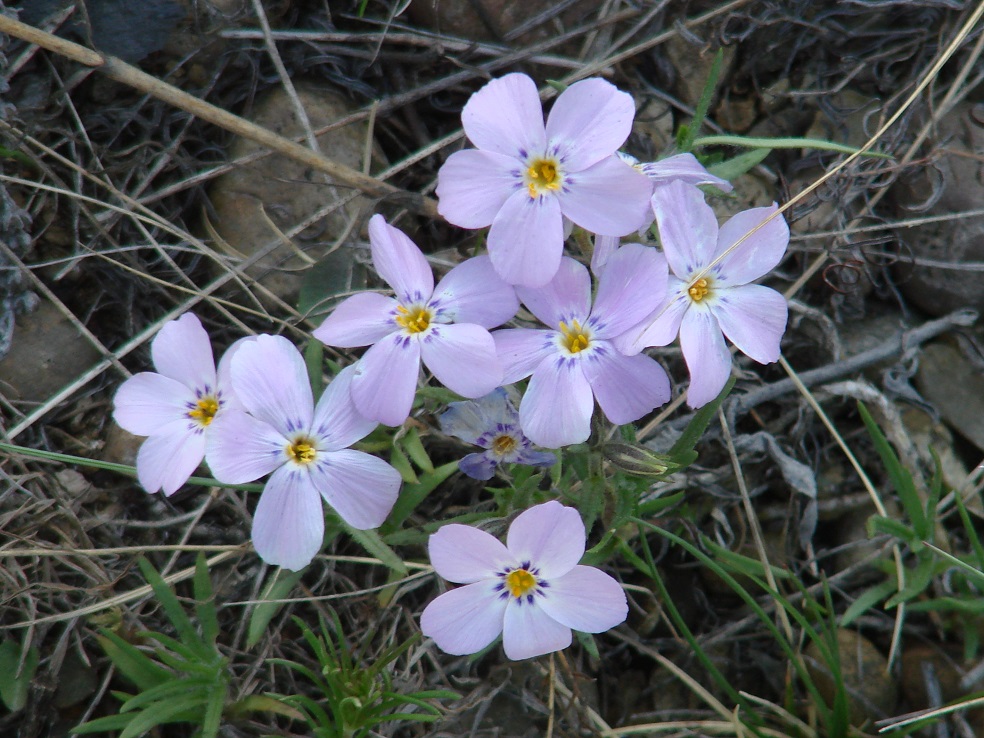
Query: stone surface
x,y
278,190
496,20
948,380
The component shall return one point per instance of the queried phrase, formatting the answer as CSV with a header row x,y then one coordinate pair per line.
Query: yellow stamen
x,y
503,445
575,338
302,450
415,320
699,289
205,410
519,582
542,176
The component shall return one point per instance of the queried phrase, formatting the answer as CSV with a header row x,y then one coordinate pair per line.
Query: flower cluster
x,y
530,182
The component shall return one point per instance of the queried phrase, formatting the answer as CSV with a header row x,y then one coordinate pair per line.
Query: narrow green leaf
x,y
108,724
740,564
695,428
205,602
172,711
703,104
213,711
167,691
13,685
415,450
281,583
263,703
736,166
866,600
133,663
414,493
371,542
783,143
169,601
314,356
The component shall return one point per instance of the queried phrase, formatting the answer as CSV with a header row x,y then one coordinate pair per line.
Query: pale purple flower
x,y
575,361
305,449
175,406
531,590
707,303
524,178
677,168
492,423
444,327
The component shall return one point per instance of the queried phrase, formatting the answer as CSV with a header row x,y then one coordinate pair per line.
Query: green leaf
x,y
213,711
741,564
263,703
414,493
204,602
108,724
314,358
684,447
14,685
167,691
783,143
892,527
686,140
415,450
175,612
371,542
133,663
335,275
178,709
866,600
281,583
736,166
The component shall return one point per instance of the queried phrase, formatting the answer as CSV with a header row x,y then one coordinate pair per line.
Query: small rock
x,y
947,379
927,668
693,64
495,20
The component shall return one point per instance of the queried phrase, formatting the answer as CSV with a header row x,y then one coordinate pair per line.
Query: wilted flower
x,y
492,423
531,590
524,178
306,449
175,406
706,303
445,327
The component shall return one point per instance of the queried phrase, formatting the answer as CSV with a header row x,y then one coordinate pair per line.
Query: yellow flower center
x,y
542,176
205,410
416,319
503,445
519,582
302,450
574,337
699,289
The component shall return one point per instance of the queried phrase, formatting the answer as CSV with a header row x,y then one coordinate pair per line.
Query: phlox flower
x,y
531,589
575,361
303,447
175,406
707,303
677,168
444,327
492,423
524,177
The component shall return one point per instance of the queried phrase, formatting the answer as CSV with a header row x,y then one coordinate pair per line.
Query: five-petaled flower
x,y
175,406
576,361
492,423
531,589
445,327
306,449
524,178
709,295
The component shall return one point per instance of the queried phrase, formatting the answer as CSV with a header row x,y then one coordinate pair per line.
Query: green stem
x,y
782,143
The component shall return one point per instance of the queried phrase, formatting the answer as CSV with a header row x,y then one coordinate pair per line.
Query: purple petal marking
x,y
706,354
528,631
588,122
479,466
181,350
688,230
685,168
463,358
506,116
463,554
240,448
361,488
756,255
586,599
337,423
566,297
556,409
464,620
526,239
165,461
610,198
146,402
753,318
385,380
632,287
535,458
522,350
359,320
289,522
399,262
271,381
473,185
550,536
472,292
626,387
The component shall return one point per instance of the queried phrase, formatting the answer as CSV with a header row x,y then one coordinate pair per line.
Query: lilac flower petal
x,y
479,466
498,409
756,255
521,351
604,247
632,287
506,116
660,328
147,401
556,409
165,461
535,458
337,423
224,375
526,239
463,358
566,297
399,262
464,420
464,620
688,229
360,487
685,168
626,387
289,522
610,198
463,554
588,122
181,350
473,293
271,381
586,599
706,354
359,320
473,185
239,448
385,380
550,536
753,318
528,631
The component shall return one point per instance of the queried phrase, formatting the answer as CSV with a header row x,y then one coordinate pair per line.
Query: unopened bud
x,y
639,460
